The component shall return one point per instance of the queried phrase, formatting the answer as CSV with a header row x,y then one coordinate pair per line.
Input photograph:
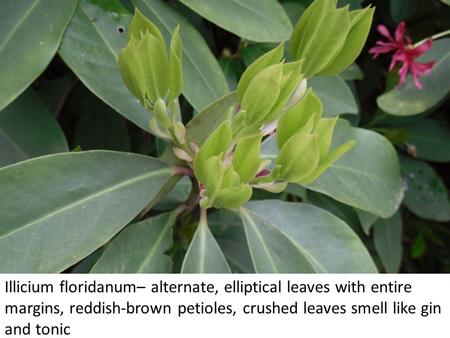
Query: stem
x,y
192,199
183,171
433,37
203,217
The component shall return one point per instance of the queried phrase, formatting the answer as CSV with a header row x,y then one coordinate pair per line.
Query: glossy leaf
x,y
291,237
248,19
90,48
140,248
204,254
75,203
293,10
408,100
204,81
387,236
335,94
27,129
403,10
431,139
426,195
353,72
179,194
30,33
340,210
366,219
229,232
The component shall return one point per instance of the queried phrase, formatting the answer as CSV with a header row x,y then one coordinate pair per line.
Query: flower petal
x,y
385,32
422,48
400,32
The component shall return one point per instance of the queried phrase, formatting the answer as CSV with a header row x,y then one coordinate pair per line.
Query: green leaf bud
x,y
320,35
299,157
148,69
268,59
262,94
176,67
217,144
296,118
160,112
247,157
360,23
179,131
327,161
232,198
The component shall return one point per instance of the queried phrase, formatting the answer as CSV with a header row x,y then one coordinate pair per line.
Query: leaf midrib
x,y
11,141
87,198
263,243
314,263
156,244
102,37
19,23
261,15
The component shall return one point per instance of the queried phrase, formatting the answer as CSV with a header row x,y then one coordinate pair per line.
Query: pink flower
x,y
404,53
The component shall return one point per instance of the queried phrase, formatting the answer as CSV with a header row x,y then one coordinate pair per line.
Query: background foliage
x,y
60,91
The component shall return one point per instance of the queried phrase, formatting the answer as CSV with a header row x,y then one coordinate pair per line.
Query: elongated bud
x,y
298,94
156,130
181,154
160,111
179,132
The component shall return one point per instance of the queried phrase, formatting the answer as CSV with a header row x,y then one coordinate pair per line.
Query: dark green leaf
x,y
74,202
27,129
229,232
426,195
30,32
342,211
336,96
366,219
387,236
293,237
204,254
90,48
431,139
140,247
403,10
293,10
248,19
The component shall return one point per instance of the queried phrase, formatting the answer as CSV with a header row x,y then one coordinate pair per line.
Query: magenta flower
x,y
405,53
